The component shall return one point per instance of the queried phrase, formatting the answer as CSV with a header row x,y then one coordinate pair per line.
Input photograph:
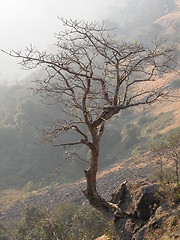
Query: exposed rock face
x,y
164,224
137,200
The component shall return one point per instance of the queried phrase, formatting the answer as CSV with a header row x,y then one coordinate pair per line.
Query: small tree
x,y
159,151
173,147
92,77
169,150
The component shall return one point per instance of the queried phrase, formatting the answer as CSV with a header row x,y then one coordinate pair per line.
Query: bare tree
x,y
158,151
173,152
92,77
169,150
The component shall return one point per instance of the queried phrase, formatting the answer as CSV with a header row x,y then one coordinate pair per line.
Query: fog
x,y
36,21
21,116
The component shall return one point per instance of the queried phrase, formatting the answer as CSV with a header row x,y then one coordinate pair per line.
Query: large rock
x,y
137,201
164,224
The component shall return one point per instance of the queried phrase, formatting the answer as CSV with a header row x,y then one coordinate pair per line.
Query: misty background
x,y
34,22
23,157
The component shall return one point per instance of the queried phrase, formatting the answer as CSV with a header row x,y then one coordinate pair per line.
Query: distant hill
x,y
170,22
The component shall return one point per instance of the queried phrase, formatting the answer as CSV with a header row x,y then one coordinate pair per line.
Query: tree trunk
x,y
177,171
108,209
90,192
95,199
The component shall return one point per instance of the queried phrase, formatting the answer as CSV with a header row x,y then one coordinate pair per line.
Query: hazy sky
x,y
23,22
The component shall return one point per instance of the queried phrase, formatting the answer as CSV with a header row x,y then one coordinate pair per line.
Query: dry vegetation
x,y
10,196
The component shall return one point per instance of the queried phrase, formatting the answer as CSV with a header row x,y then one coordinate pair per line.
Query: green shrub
x,y
168,193
89,223
69,222
35,225
29,187
166,177
4,235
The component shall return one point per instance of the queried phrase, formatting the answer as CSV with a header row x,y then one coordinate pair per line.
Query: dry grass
x,y
9,197
173,105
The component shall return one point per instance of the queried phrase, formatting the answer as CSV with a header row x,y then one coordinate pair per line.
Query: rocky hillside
x,y
160,219
164,222
108,181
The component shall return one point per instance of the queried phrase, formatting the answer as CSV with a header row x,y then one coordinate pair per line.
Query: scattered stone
x,y
104,237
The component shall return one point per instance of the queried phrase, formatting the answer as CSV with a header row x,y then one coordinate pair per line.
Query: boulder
x,y
137,201
163,224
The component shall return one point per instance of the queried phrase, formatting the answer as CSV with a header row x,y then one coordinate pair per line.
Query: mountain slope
x,y
170,23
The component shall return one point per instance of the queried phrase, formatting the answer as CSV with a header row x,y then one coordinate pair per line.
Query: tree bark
x,y
108,209
177,171
94,198
91,192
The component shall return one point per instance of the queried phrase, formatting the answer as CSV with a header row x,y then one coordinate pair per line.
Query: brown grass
x,y
173,105
10,196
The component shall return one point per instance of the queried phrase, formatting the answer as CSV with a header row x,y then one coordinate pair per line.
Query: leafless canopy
x,y
92,77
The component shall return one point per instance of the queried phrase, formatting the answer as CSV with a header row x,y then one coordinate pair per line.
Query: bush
x,y
89,223
169,193
29,187
166,177
35,225
69,222
4,235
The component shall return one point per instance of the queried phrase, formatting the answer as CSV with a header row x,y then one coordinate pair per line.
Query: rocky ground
x,y
107,183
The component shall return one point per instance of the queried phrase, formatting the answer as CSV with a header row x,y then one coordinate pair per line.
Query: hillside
x,y
35,174
52,196
22,117
131,170
170,23
172,105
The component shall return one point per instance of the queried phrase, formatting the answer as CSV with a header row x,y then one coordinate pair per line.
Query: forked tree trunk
x,y
91,192
95,199
108,209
